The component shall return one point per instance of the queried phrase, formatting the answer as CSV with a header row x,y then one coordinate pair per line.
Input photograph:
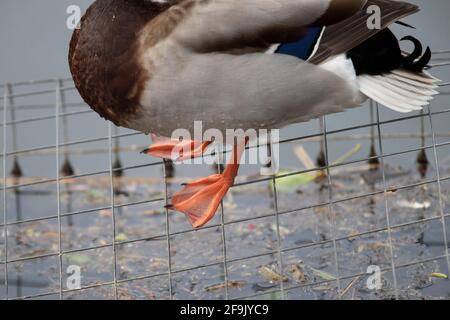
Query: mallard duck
x,y
156,66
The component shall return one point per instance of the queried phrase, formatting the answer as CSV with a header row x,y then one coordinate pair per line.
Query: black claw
x,y
184,184
169,206
144,151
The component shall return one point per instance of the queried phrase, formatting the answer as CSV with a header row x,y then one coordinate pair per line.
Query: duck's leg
x,y
200,199
167,148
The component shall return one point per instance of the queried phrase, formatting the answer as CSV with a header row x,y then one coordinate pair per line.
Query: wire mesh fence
x,y
275,267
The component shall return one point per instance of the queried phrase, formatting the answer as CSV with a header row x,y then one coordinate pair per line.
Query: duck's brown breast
x,y
104,56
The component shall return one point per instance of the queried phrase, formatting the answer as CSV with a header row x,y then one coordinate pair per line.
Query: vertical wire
x,y
222,226
277,218
13,121
224,249
422,129
330,205
63,107
386,204
441,205
169,253
58,186
372,128
5,216
113,216
117,164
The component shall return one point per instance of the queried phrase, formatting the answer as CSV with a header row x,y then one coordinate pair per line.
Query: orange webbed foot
x,y
176,150
200,199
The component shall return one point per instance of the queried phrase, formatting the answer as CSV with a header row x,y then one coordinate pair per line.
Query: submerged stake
x,y
374,162
422,159
16,171
67,169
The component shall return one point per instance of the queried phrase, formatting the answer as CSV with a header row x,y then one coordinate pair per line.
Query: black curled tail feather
x,y
381,54
391,78
401,84
409,60
410,63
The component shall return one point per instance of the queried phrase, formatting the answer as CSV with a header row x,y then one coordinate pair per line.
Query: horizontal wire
x,y
440,59
67,114
67,144
48,117
81,175
35,93
104,138
336,165
441,51
134,148
439,64
80,212
47,106
34,82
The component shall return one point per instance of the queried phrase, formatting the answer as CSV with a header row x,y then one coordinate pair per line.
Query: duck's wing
x,y
346,35
224,25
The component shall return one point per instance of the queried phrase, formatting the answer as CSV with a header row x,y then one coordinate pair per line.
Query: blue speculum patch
x,y
304,47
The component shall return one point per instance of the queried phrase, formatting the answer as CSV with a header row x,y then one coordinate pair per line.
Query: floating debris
x,y
106,213
289,181
322,274
297,273
121,237
304,157
78,259
350,285
271,275
152,212
439,275
413,204
348,154
231,284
